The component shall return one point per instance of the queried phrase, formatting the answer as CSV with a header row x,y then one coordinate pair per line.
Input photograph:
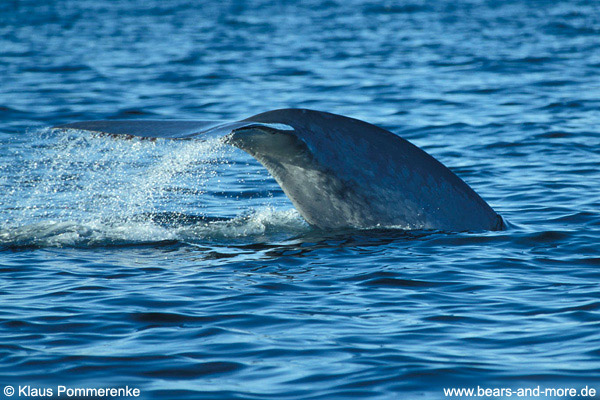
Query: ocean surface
x,y
181,269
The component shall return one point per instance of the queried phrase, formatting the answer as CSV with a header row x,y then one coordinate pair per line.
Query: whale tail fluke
x,y
151,129
339,172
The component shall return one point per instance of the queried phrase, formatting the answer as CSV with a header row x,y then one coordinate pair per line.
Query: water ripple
x,y
182,269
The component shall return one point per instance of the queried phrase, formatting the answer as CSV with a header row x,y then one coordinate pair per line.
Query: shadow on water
x,y
319,241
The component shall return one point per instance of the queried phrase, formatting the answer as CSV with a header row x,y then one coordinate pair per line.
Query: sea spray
x,y
79,189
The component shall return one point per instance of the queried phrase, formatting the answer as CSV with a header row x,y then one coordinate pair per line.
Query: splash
x,y
80,190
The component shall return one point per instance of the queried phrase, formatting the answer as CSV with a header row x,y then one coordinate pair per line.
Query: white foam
x,y
255,224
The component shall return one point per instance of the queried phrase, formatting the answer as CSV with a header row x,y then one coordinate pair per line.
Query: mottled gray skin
x,y
339,172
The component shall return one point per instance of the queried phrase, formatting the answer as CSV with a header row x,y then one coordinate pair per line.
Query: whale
x,y
338,172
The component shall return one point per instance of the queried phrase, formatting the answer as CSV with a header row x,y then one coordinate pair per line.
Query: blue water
x,y
181,268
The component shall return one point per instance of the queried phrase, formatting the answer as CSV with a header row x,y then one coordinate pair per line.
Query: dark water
x,y
181,268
